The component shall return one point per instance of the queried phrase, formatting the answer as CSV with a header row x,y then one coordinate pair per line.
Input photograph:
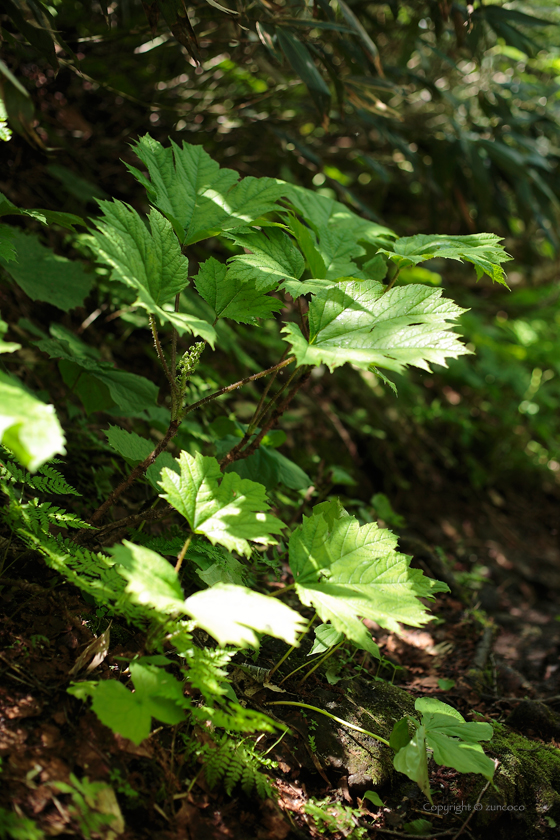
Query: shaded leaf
x,y
44,275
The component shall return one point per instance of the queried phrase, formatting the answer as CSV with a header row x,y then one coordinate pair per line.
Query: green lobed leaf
x,y
28,427
348,572
272,258
231,296
147,259
156,694
234,615
229,512
364,324
483,250
44,275
198,197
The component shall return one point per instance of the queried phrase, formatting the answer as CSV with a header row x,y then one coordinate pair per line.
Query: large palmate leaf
x,y
272,258
149,260
44,275
483,250
198,197
232,297
362,323
230,512
234,614
231,614
348,572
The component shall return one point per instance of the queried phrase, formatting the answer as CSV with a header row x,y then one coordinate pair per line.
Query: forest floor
x,y
496,654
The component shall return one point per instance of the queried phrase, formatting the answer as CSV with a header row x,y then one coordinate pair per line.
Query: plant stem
x,y
281,591
141,468
293,647
392,281
174,336
182,553
332,717
160,353
316,663
238,384
320,662
276,415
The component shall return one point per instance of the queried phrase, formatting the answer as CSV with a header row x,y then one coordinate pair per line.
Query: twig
x,y
136,473
238,384
276,415
475,809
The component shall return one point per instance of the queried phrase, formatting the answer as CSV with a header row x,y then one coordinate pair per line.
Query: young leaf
x,y
156,694
326,637
149,260
234,615
198,197
364,324
28,427
229,512
346,571
44,275
232,297
483,250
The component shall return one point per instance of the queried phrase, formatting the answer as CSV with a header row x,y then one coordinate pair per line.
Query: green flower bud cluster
x,y
186,365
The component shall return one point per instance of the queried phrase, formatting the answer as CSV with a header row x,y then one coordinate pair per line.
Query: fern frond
x,y
45,480
38,516
235,764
